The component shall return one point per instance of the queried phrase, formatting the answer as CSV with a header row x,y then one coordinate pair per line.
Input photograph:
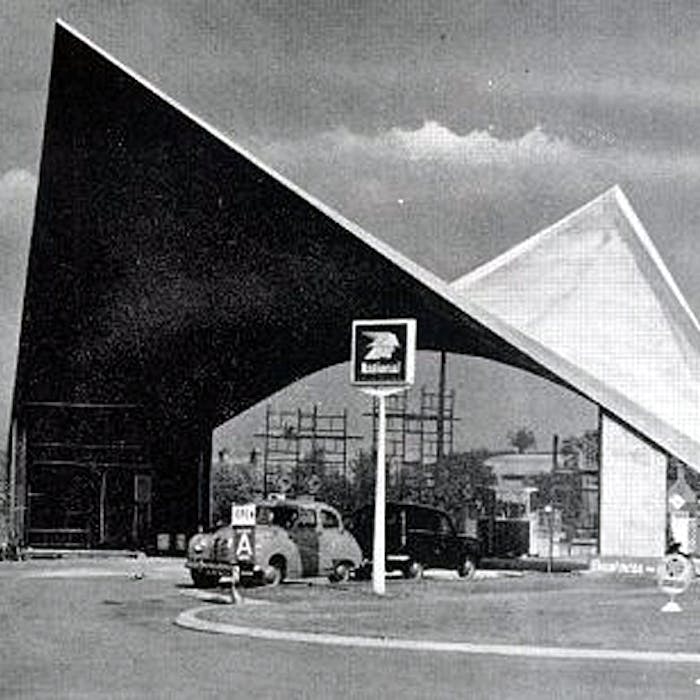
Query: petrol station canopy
x,y
172,269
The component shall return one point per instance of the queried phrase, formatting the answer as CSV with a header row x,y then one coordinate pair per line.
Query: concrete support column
x,y
17,482
632,494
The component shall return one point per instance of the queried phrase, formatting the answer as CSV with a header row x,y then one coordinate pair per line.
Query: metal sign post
x,y
549,511
382,362
379,540
243,525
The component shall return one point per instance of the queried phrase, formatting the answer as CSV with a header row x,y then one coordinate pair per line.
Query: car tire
x,y
341,572
363,572
414,570
202,580
467,569
275,571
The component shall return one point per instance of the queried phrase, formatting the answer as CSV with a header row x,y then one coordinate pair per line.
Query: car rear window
x,y
423,519
307,517
329,519
282,516
445,525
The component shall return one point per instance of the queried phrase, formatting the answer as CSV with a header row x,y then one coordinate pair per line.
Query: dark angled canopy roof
x,y
170,268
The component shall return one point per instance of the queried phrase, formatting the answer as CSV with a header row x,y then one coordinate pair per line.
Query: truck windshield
x,y
282,516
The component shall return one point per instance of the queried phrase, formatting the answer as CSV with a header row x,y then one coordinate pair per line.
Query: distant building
x,y
514,473
517,502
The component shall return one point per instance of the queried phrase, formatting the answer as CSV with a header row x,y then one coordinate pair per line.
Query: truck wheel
x,y
276,571
414,570
363,572
467,568
341,572
202,580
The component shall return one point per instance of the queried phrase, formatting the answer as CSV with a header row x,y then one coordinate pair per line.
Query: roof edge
x,y
648,244
422,274
531,242
614,193
435,284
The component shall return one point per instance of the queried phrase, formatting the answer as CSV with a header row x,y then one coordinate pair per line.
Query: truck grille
x,y
221,550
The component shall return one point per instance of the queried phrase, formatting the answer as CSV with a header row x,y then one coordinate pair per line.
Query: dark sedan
x,y
418,537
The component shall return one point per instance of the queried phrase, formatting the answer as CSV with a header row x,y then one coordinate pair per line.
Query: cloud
x,y
479,147
431,143
434,162
354,172
452,201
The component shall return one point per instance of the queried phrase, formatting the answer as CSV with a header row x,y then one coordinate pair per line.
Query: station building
x,y
174,280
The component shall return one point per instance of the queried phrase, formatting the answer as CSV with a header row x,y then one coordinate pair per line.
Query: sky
x,y
451,130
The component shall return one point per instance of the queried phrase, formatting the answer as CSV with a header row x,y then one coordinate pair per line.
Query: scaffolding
x,y
416,440
291,437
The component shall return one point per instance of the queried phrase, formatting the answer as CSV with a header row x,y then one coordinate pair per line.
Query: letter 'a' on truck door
x,y
305,534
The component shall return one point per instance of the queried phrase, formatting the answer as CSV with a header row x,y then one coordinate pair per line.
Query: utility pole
x,y
440,451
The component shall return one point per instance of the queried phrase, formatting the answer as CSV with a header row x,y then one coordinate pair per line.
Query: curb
x,y
189,619
34,554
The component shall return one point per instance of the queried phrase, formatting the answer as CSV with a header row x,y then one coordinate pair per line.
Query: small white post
x,y
379,544
550,526
236,597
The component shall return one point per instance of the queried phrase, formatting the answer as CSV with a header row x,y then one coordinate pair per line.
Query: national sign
x,y
383,352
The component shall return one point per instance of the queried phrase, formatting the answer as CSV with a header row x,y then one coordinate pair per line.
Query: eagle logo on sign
x,y
382,345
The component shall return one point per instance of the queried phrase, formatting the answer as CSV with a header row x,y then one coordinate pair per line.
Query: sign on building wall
x,y
383,352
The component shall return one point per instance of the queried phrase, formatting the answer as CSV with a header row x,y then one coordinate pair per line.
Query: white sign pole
x,y
379,543
382,362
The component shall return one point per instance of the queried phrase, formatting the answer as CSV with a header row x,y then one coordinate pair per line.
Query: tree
x,y
231,483
333,486
563,487
363,469
581,451
459,480
522,439
561,490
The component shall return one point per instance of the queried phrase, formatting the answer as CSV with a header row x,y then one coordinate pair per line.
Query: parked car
x,y
418,537
293,538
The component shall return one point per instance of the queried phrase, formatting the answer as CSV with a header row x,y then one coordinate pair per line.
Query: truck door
x,y
305,535
332,543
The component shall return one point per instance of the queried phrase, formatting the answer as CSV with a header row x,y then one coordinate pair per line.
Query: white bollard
x,y
236,597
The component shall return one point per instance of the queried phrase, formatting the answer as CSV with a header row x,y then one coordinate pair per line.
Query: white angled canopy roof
x,y
593,293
